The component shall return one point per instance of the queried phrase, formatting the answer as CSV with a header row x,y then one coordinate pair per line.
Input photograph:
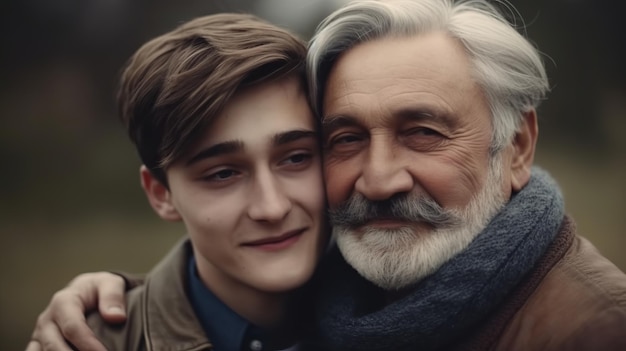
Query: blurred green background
x,y
70,195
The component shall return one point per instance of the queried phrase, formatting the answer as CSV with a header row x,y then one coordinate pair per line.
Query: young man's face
x,y
250,193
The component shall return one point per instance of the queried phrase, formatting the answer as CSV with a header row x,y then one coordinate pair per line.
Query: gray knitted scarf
x,y
351,312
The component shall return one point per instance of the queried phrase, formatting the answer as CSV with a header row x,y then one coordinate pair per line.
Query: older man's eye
x,y
424,139
345,139
345,144
422,131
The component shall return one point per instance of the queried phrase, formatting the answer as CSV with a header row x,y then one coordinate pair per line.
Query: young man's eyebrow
x,y
293,135
226,147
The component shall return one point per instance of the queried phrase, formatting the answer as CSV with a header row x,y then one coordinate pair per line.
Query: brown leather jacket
x,y
575,299
160,316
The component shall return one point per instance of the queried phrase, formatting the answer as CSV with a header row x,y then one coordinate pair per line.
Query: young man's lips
x,y
277,241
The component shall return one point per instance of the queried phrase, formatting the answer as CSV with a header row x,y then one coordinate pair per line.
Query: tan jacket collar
x,y
170,322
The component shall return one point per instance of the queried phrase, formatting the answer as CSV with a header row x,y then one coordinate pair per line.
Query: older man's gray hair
x,y
506,66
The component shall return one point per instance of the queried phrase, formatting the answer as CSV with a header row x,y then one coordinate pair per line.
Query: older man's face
x,y
403,116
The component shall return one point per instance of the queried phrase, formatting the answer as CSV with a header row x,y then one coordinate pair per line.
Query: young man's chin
x,y
284,280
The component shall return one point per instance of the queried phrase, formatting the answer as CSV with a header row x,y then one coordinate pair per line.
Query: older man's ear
x,y
524,144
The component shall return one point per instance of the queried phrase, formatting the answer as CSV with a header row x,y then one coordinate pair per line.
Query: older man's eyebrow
x,y
421,113
293,135
332,122
227,147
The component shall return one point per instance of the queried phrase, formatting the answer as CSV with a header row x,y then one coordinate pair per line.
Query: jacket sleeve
x,y
605,331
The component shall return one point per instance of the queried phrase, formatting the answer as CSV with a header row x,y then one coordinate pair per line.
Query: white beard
x,y
396,258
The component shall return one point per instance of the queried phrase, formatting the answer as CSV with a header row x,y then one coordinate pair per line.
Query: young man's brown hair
x,y
175,84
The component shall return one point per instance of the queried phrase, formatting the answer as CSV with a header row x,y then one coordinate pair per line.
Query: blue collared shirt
x,y
227,330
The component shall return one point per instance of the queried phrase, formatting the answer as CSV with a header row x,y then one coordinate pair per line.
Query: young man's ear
x,y
158,195
524,143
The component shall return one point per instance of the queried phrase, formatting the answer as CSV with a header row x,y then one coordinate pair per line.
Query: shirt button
x,y
256,345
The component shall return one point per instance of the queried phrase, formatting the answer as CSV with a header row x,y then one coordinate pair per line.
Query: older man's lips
x,y
276,243
388,223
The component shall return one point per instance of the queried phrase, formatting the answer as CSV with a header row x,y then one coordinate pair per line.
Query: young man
x,y
217,110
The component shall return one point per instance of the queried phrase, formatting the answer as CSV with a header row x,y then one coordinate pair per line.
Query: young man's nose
x,y
268,201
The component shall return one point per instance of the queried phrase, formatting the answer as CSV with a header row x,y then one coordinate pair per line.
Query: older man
x,y
447,237
429,118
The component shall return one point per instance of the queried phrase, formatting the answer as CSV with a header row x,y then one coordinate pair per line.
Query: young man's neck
x,y
263,309
270,311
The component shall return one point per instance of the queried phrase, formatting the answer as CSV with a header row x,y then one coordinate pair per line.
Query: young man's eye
x,y
298,159
222,175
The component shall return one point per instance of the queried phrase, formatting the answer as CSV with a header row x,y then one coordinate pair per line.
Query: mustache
x,y
357,211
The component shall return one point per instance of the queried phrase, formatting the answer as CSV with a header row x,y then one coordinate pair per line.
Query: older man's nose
x,y
383,174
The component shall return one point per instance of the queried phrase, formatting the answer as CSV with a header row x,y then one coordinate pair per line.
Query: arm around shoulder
x,y
122,336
